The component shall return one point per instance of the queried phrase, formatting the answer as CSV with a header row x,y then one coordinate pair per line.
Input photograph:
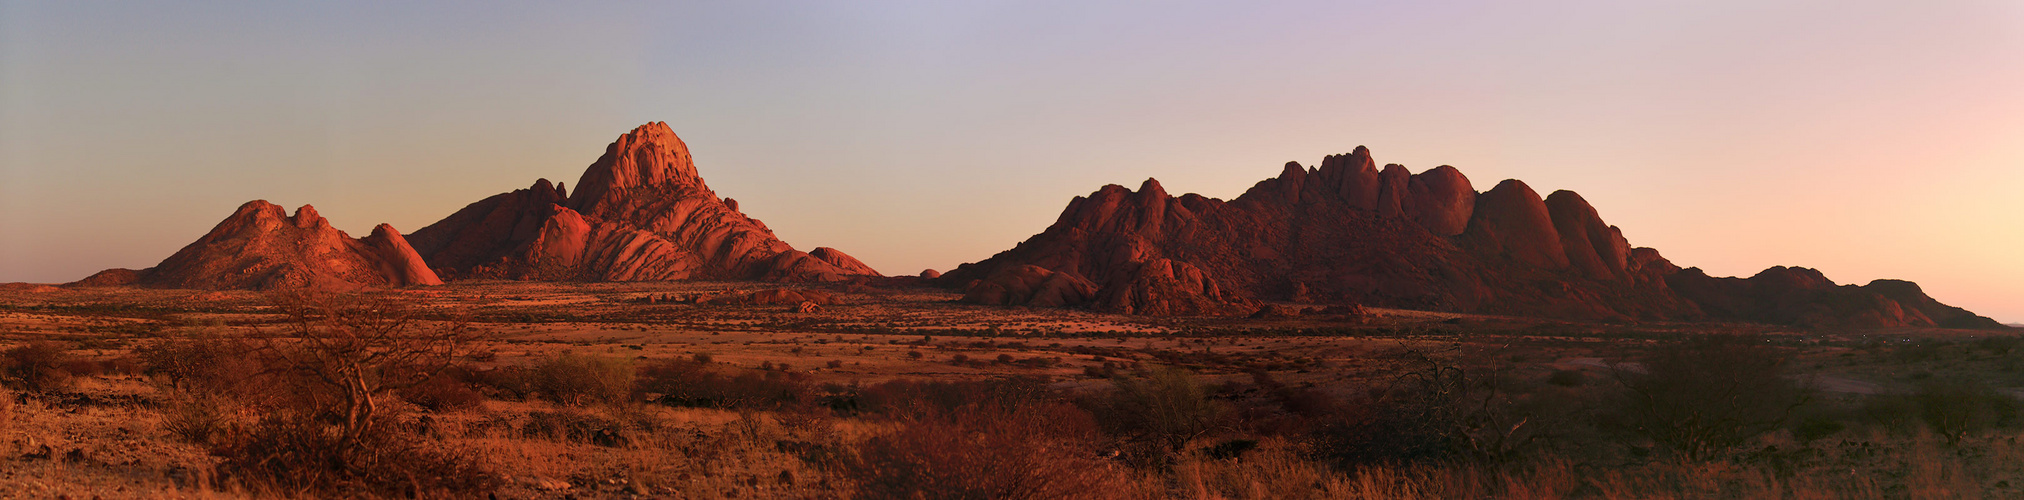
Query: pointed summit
x,y
640,212
1152,187
650,156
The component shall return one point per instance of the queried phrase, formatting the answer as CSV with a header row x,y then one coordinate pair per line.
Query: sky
x,y
1867,139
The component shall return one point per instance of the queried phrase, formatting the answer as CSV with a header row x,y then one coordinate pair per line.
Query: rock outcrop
x,y
262,247
1804,297
641,212
1351,233
842,261
1028,285
1164,287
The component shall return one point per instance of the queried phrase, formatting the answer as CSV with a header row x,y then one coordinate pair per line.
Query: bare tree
x,y
361,347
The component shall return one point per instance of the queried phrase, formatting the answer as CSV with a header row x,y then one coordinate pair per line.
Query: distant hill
x,y
261,247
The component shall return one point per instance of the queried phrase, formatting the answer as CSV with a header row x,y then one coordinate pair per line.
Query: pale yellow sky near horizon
x,y
1868,139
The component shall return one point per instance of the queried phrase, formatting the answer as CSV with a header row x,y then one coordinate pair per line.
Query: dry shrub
x,y
199,418
7,410
205,364
289,455
511,382
1159,414
444,392
1040,451
329,426
1706,395
37,366
912,398
574,426
1955,408
576,380
700,384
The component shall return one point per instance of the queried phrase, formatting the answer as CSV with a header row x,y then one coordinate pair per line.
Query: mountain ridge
x,y
1350,232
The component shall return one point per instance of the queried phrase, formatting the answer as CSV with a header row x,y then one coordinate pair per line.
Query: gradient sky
x,y
1868,139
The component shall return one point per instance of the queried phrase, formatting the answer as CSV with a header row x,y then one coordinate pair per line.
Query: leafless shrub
x,y
204,363
1703,396
37,366
1157,415
577,380
354,349
1957,407
332,431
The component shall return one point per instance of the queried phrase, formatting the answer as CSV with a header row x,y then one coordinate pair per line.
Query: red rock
x,y
1593,248
112,277
842,261
488,231
1394,186
640,212
1917,304
1162,287
930,273
1511,221
1346,233
261,247
398,261
1030,286
1271,311
1352,178
1442,200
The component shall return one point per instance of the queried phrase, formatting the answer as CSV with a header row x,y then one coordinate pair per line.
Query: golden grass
x,y
701,453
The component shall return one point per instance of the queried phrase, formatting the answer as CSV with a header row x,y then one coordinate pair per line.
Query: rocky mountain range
x,y
1348,232
640,212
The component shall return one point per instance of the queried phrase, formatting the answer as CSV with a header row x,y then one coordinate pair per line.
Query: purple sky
x,y
1868,139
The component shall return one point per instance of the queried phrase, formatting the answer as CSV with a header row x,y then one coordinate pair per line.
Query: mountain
x,y
641,212
261,247
1350,232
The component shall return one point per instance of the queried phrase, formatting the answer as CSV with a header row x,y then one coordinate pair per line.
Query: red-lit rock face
x,y
261,247
1349,232
638,213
